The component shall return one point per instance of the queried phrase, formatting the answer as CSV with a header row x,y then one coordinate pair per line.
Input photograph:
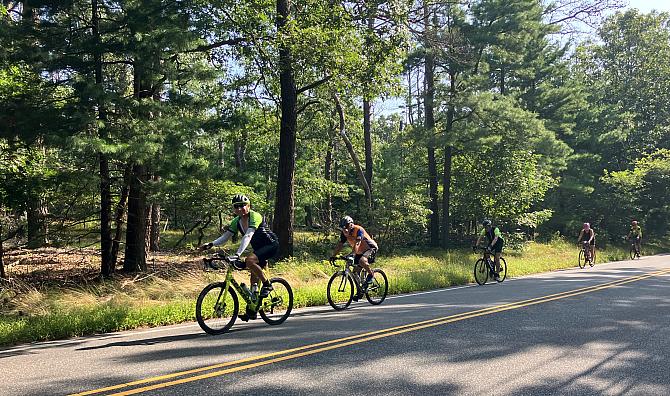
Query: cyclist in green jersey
x,y
263,241
635,233
495,242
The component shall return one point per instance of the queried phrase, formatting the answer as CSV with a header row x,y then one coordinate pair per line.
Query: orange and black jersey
x,y
358,233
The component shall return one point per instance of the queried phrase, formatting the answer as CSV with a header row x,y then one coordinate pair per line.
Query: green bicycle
x,y
218,304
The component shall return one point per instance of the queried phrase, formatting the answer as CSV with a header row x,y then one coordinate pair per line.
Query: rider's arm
x,y
593,235
481,235
246,239
359,239
222,239
338,248
496,235
579,238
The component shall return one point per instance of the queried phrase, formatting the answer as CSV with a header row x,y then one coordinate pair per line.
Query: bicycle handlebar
x,y
220,256
346,258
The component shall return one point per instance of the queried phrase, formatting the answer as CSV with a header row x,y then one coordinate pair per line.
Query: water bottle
x,y
246,290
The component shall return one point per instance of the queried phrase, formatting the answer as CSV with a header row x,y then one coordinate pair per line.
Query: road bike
x,y
485,267
218,304
585,255
351,276
634,249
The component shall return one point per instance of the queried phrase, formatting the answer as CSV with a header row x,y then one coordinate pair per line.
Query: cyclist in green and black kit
x,y
494,242
263,241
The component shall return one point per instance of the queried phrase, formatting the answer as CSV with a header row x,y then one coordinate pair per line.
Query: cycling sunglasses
x,y
239,205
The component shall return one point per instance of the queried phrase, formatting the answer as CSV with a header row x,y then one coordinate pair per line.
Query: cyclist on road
x,y
586,234
263,241
363,247
494,243
635,233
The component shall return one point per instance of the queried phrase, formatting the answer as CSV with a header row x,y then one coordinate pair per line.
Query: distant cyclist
x,y
362,245
586,234
255,232
494,243
635,233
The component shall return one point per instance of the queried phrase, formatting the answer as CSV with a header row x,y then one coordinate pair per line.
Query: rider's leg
x,y
256,271
363,262
497,261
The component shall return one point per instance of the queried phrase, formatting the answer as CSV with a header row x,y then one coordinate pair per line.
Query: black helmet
x,y
345,221
240,199
486,223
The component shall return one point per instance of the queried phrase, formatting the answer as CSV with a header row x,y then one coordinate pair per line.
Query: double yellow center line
x,y
220,369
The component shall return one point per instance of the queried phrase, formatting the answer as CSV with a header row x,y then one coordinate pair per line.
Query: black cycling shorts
x,y
370,254
264,254
498,247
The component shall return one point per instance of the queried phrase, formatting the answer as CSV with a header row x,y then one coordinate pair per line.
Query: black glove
x,y
206,246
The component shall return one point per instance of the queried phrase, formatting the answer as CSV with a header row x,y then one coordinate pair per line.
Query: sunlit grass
x,y
169,298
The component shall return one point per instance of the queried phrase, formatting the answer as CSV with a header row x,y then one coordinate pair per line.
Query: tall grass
x,y
123,304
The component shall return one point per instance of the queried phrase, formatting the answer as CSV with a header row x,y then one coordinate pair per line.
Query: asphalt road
x,y
602,330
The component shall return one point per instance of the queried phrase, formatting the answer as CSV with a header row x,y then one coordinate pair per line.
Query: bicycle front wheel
x,y
340,290
277,306
503,270
582,259
481,272
632,253
378,288
215,309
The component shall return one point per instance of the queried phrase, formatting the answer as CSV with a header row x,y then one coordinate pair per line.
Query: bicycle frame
x,y
349,269
490,263
586,248
230,281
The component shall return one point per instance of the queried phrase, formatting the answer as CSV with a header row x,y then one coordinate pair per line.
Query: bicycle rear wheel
x,y
215,312
481,271
503,270
593,258
277,306
378,288
582,259
340,290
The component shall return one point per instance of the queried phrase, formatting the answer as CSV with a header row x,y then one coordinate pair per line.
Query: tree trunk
x,y
446,195
155,233
309,217
120,213
328,175
367,137
38,227
429,124
107,266
241,153
135,257
448,155
2,254
222,162
284,200
352,152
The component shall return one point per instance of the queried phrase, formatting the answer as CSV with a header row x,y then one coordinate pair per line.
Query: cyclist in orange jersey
x,y
363,247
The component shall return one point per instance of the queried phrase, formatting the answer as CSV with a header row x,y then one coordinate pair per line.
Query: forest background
x,y
127,126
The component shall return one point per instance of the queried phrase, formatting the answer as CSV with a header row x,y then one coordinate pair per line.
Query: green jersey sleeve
x,y
255,220
233,225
